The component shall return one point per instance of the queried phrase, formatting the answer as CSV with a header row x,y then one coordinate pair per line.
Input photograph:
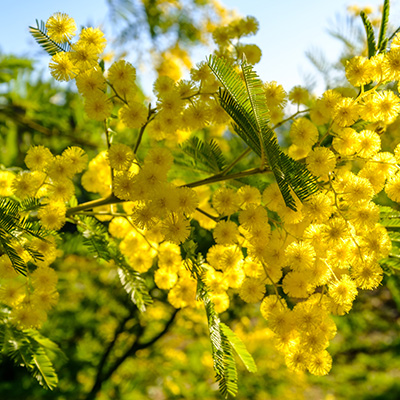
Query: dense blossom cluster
x,y
302,266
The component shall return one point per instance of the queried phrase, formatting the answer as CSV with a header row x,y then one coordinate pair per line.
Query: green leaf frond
x,y
382,40
221,348
390,219
41,36
13,227
99,243
205,155
239,347
370,34
30,350
135,286
242,97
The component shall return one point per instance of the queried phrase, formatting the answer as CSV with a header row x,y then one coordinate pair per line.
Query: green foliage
x,y
221,349
206,156
41,36
10,66
370,34
382,40
244,100
13,226
239,347
102,246
31,350
390,219
222,339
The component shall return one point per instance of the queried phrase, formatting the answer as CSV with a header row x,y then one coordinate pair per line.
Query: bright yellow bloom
x,y
165,279
61,190
122,75
249,195
225,201
303,132
120,156
98,107
159,156
37,158
270,304
26,185
77,156
91,82
299,95
318,207
134,115
387,106
52,215
6,180
367,275
60,167
320,363
252,290
93,37
300,256
359,71
297,284
60,27
321,161
343,291
392,188
83,56
220,301
297,360
61,66
44,279
176,229
392,64
346,112
369,143
253,217
226,233
275,94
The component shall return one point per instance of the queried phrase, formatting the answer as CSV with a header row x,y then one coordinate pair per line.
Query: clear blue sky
x,y
288,28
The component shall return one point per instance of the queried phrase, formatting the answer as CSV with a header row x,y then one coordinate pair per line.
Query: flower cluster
x,y
301,266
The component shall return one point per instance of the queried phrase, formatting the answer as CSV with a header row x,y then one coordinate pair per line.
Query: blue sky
x,y
288,28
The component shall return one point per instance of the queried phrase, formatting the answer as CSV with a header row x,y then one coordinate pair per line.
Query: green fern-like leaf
x,y
98,241
41,36
242,97
205,155
370,34
42,369
394,236
135,286
224,362
27,352
221,348
240,348
382,40
12,227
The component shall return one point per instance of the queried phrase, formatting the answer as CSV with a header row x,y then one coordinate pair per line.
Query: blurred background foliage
x,y
111,351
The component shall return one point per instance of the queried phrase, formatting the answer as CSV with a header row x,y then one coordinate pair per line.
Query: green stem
x,y
112,199
289,118
216,219
94,203
141,132
219,177
235,161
